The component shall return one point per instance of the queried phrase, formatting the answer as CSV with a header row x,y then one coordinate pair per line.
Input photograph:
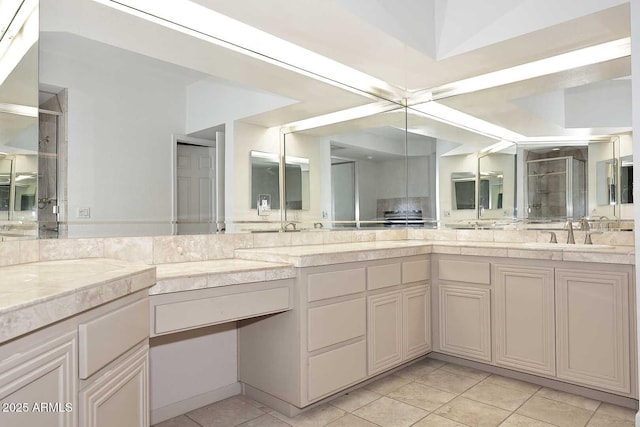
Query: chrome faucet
x,y
552,237
286,226
570,238
584,224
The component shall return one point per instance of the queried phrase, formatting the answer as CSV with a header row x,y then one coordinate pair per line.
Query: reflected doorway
x,y
343,192
195,186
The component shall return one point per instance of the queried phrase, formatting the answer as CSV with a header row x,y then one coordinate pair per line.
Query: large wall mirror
x,y
18,119
113,105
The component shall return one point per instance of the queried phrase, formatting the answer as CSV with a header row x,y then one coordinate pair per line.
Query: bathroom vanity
x,y
317,320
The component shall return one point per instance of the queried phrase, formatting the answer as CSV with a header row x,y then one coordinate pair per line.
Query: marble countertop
x,y
41,293
185,276
315,255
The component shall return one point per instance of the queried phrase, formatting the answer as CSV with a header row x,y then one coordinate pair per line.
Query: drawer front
x,y
104,339
337,369
335,323
335,283
465,271
381,276
416,271
219,309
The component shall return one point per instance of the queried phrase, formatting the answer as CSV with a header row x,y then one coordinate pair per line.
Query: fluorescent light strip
x,y
555,64
340,116
21,110
498,146
444,114
206,24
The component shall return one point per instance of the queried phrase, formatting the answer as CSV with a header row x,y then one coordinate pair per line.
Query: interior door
x,y
343,192
195,189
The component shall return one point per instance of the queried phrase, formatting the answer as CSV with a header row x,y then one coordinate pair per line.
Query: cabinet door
x,y
119,397
384,331
465,321
592,316
416,327
38,387
524,325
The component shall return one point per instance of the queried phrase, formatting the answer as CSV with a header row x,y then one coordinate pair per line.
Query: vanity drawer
x,y
465,271
331,324
416,271
103,339
335,283
194,313
337,369
381,276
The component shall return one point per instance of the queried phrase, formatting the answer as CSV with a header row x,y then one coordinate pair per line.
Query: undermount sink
x,y
556,246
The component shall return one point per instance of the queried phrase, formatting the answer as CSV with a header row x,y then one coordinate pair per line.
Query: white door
x,y
343,192
195,189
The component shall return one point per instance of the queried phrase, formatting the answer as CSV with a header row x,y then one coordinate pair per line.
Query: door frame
x,y
175,140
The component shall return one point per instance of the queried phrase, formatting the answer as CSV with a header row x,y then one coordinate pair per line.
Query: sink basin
x,y
561,246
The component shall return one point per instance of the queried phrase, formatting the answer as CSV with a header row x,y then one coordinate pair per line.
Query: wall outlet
x,y
84,213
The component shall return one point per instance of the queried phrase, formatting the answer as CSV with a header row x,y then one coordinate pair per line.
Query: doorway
x,y
343,192
195,186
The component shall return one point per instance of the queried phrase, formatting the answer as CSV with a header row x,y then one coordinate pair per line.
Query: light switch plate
x,y
84,213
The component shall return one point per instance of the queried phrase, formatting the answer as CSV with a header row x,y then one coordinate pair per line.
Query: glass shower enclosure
x,y
556,188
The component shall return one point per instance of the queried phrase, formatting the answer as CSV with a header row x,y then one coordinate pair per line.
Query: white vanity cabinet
x,y
568,321
593,328
338,333
33,374
92,370
464,308
398,324
524,318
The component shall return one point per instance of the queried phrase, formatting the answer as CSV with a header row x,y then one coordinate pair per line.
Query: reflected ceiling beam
x,y
555,64
198,21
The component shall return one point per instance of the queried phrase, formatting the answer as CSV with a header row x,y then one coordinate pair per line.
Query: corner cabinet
x,y
91,371
568,321
348,322
464,308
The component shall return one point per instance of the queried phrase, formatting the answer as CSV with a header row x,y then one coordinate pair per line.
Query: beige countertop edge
x,y
317,255
30,315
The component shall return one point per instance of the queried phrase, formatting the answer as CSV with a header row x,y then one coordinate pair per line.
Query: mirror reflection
x,y
372,173
18,122
114,95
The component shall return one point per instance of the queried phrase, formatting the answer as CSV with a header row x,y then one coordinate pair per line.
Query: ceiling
x,y
412,45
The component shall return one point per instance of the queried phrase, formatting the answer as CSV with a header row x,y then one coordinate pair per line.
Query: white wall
x,y
120,124
191,369
247,137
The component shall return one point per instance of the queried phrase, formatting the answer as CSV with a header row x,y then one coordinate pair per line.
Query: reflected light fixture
x,y
201,22
554,64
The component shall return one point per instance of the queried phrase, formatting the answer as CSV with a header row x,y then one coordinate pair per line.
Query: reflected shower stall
x,y
556,188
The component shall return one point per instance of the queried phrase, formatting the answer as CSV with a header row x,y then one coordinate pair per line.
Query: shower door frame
x,y
568,182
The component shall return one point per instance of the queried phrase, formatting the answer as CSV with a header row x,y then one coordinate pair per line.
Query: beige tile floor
x,y
428,393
